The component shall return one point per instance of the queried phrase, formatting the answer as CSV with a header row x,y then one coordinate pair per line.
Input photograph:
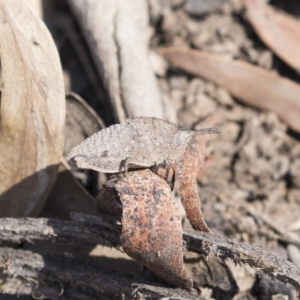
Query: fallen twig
x,y
271,264
93,230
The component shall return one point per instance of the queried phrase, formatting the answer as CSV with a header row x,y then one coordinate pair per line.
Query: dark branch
x,y
91,230
257,258
62,277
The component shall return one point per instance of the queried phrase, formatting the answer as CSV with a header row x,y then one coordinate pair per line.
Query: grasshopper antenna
x,y
211,130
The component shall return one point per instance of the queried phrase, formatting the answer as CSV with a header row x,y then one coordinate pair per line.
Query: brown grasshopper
x,y
139,142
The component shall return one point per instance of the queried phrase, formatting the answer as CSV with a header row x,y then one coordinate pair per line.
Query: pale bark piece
x,y
250,84
151,226
37,6
140,90
32,111
278,30
116,32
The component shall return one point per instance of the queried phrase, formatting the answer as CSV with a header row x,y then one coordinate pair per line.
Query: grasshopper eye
x,y
104,153
179,138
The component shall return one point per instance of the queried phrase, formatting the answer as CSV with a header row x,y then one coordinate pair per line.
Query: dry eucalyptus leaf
x,y
32,111
37,6
280,32
151,226
250,84
187,170
116,32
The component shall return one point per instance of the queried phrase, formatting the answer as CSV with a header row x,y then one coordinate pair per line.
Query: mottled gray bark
x,y
62,277
91,230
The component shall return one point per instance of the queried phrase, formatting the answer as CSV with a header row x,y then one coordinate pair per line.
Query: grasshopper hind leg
x,y
166,171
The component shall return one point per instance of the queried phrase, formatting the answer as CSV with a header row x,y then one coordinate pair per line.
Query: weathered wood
x,y
88,231
269,263
93,230
62,277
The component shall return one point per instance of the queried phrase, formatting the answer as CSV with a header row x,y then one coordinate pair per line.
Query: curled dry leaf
x,y
246,82
279,31
81,121
187,169
32,111
151,226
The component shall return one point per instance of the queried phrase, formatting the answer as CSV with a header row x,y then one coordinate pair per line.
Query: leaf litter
x,y
253,176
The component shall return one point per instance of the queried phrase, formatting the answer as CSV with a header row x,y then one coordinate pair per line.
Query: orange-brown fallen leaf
x,y
32,111
278,30
193,161
188,170
151,226
250,84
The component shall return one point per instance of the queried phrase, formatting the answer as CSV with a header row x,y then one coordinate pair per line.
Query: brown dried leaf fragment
x,y
246,82
187,169
81,121
151,226
279,31
32,110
